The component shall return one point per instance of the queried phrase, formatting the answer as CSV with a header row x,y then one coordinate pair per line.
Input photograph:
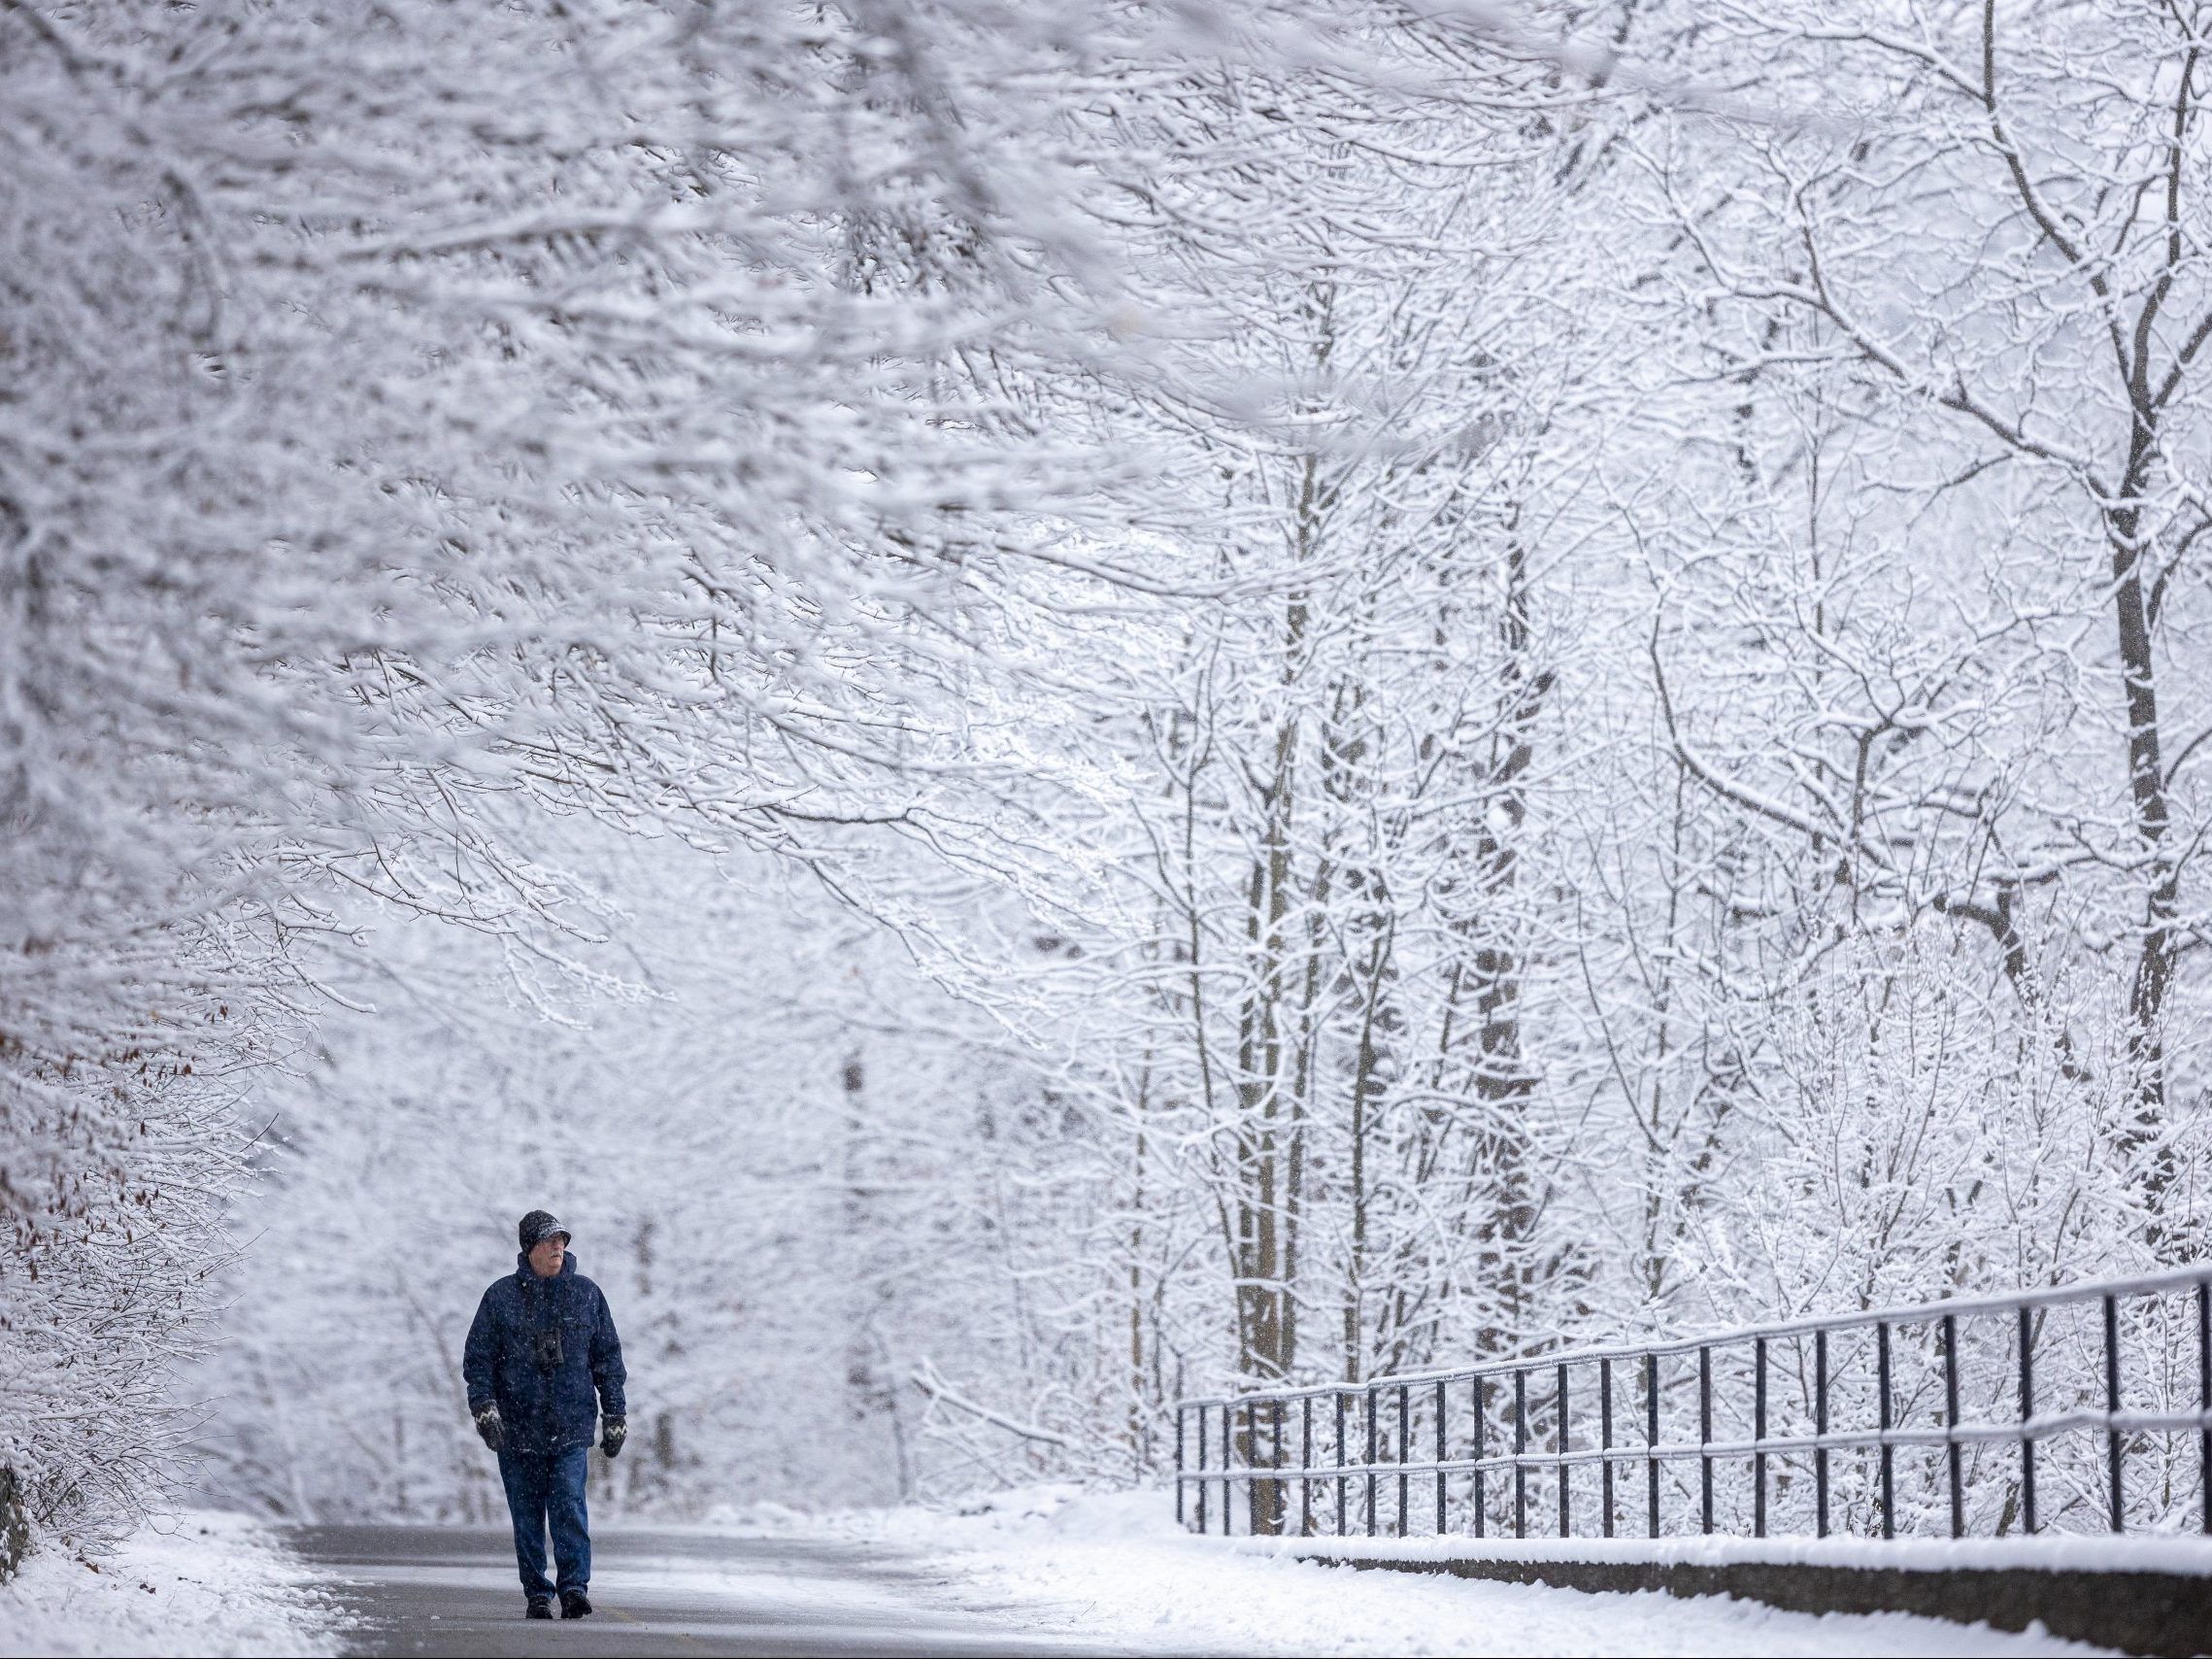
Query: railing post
x,y
1605,1440
1821,1428
1705,1436
2112,1437
1950,1447
1405,1452
1566,1529
2204,1396
1228,1462
1182,1412
1372,1451
1201,1482
1442,1498
2028,1416
1341,1485
1651,1443
1520,1445
1482,1451
1278,1500
1888,1452
1252,1466
1759,1439
1305,1465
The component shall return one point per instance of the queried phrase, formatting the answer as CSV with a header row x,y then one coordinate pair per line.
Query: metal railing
x,y
2087,1407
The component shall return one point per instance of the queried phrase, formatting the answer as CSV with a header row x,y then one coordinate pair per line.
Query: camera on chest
x,y
547,1340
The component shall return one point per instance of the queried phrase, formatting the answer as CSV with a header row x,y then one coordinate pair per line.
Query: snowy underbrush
x,y
1113,1567
200,1582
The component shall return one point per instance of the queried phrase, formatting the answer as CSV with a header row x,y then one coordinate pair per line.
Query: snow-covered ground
x,y
198,1582
1114,1569
1025,1570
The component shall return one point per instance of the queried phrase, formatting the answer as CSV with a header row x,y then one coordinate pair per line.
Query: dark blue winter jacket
x,y
540,1348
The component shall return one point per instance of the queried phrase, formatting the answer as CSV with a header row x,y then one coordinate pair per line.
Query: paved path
x,y
451,1590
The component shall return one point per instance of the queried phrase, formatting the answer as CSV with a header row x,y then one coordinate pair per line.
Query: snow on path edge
x,y
198,1582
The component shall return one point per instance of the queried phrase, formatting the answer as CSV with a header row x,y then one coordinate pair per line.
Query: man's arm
x,y
480,1357
607,1371
479,1373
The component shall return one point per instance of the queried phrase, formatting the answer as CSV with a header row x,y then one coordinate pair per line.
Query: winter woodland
x,y
1045,705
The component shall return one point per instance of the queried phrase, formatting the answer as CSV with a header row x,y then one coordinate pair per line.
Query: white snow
x,y
196,1582
2155,1552
1116,1569
1051,1564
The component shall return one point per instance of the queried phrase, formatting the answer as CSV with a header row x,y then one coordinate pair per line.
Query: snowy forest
x,y
1046,705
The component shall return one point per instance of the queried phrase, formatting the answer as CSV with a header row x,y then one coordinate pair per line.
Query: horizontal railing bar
x,y
1920,1313
1678,1451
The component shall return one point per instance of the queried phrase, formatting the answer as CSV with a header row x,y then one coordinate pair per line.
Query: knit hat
x,y
539,1225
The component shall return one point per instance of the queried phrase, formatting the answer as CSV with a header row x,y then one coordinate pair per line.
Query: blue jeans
x,y
545,1487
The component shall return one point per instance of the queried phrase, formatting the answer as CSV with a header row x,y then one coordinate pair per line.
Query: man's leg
x,y
524,1476
571,1524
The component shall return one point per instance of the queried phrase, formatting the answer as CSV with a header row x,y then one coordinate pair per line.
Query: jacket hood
x,y
524,1270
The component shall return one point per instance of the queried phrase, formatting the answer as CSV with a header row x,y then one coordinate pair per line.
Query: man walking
x,y
542,1347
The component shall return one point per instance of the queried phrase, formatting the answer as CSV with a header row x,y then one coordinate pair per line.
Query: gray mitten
x,y
488,1425
611,1434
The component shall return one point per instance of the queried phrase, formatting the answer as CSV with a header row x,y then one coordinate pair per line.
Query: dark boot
x,y
575,1604
541,1607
